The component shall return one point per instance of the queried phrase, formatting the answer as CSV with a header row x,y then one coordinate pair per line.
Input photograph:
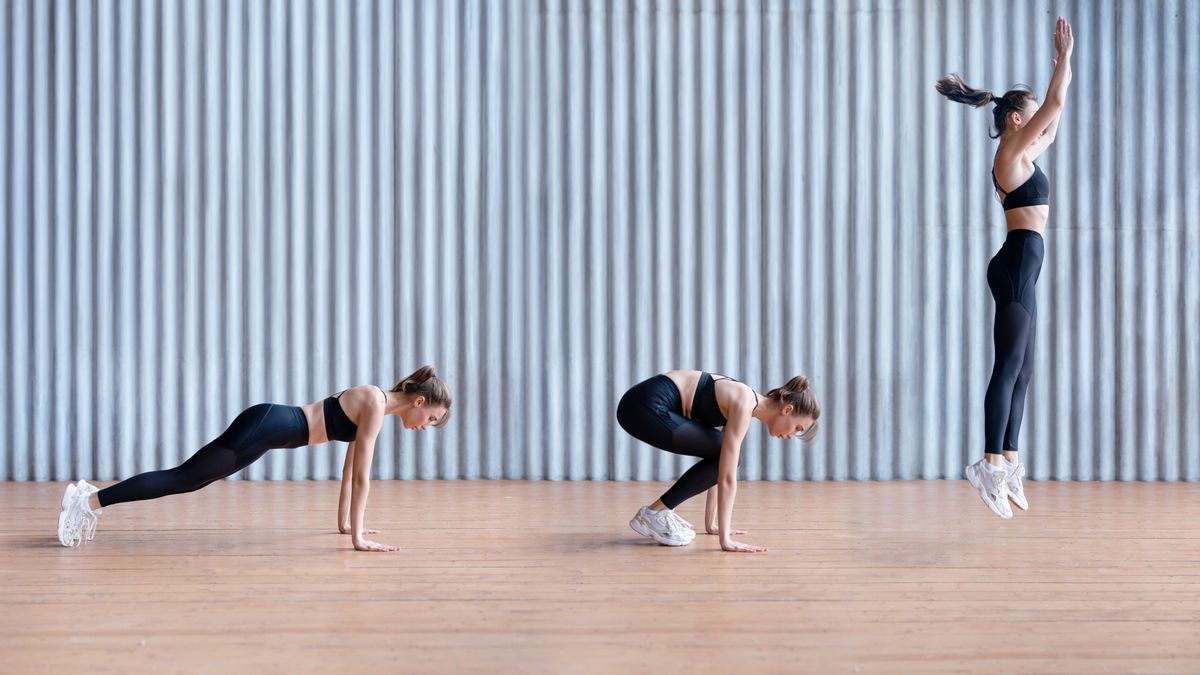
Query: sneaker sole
x,y
637,526
975,483
1019,505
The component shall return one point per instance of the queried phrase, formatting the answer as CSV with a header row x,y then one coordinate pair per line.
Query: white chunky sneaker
x,y
992,484
77,521
662,526
1016,490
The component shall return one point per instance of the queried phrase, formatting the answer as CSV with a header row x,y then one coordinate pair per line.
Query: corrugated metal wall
x,y
210,204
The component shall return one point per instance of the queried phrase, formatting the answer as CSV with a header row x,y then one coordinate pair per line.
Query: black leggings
x,y
652,412
1012,275
252,433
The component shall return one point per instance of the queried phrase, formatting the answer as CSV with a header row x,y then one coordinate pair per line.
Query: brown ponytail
x,y
798,393
952,87
425,382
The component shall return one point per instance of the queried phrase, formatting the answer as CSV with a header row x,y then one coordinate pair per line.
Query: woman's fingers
x,y
739,547
376,546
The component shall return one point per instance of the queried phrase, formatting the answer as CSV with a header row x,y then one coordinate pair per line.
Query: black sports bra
x,y
338,425
704,404
1033,192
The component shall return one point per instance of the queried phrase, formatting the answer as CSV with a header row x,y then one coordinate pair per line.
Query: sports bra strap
x,y
339,394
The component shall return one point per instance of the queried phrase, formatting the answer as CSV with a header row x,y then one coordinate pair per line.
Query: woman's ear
x,y
419,401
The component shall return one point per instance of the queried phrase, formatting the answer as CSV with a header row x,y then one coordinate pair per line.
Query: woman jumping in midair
x,y
1025,131
354,416
680,411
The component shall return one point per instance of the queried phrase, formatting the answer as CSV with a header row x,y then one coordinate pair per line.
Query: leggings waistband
x,y
302,424
1022,235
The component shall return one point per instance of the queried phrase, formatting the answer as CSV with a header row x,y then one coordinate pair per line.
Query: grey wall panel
x,y
208,204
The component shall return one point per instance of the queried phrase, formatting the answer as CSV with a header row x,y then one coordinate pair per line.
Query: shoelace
x,y
671,520
1000,484
1014,479
664,519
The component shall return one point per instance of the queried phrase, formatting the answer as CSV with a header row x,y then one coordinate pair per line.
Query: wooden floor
x,y
547,577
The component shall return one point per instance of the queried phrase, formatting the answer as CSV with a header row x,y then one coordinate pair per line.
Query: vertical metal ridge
x,y
6,153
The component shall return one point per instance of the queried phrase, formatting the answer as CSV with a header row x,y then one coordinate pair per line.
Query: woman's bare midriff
x,y
314,413
1028,218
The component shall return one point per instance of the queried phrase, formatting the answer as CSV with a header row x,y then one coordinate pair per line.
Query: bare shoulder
x,y
1007,154
1012,165
737,395
364,397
